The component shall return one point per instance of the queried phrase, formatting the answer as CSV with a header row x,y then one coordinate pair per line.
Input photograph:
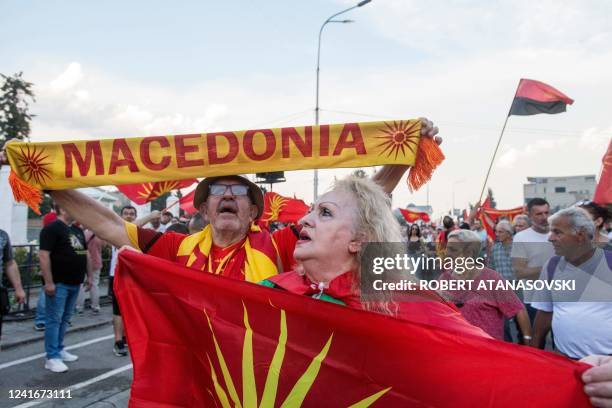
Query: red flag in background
x,y
283,209
202,340
186,203
412,216
145,192
533,97
488,216
603,192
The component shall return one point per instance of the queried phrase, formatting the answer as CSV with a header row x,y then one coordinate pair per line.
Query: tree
x,y
14,116
159,203
46,206
492,201
360,173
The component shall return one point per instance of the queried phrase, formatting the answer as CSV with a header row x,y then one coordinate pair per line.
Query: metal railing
x,y
26,257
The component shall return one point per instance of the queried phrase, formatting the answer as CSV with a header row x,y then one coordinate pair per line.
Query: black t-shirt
x,y
68,250
6,251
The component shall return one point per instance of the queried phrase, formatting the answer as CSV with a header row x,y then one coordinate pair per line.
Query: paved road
x,y
97,379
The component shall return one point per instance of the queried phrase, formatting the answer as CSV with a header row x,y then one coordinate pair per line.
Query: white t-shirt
x,y
582,319
113,263
533,246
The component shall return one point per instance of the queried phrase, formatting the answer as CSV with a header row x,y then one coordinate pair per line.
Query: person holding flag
x,y
328,254
232,244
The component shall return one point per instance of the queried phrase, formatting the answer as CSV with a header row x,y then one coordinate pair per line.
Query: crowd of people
x,y
320,257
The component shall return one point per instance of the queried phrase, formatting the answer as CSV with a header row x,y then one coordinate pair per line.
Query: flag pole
x,y
171,205
484,185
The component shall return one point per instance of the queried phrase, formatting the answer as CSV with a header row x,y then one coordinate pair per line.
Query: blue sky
x,y
110,69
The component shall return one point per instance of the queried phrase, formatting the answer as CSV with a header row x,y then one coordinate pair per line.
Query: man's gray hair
x,y
523,217
506,226
579,220
465,235
470,239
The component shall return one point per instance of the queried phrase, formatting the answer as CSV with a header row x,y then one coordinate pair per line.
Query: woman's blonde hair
x,y
373,222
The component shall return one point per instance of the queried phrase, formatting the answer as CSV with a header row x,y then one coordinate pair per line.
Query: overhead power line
x,y
514,129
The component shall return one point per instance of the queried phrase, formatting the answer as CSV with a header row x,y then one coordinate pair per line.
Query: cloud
x,y
93,104
457,27
178,123
513,155
68,79
596,139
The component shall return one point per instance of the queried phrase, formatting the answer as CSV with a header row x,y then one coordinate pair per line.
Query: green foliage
x,y
29,271
360,173
491,198
14,117
21,255
45,207
160,202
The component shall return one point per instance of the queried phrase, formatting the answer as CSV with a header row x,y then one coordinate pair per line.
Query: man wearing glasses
x,y
232,244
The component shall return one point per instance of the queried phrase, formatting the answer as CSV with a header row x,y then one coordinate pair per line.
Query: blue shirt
x,y
501,260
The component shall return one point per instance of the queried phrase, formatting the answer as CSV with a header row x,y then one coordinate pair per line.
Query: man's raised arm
x,y
102,221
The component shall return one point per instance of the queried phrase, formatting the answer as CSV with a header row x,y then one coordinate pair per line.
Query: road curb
x,y
32,339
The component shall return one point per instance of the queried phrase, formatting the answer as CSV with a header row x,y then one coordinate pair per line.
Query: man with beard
x,y
531,249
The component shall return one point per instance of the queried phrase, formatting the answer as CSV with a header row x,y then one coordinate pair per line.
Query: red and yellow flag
x,y
412,216
200,340
145,192
488,216
63,165
603,192
186,203
283,209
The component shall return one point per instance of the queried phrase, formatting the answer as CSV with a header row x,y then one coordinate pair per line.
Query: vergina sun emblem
x,y
33,164
276,205
228,395
399,137
154,190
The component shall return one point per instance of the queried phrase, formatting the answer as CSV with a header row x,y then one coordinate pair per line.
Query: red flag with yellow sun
x,y
412,216
145,192
202,340
283,209
488,216
186,203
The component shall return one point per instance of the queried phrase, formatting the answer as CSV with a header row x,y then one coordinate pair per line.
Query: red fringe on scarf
x,y
25,193
429,156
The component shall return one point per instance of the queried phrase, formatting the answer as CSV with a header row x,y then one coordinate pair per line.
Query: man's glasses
x,y
236,189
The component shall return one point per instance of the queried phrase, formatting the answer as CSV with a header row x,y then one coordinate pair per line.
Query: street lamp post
x,y
329,20
453,203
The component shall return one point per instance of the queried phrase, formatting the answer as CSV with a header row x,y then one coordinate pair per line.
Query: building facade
x,y
560,192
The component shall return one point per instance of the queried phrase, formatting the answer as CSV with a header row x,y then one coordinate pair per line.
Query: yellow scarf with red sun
x,y
87,163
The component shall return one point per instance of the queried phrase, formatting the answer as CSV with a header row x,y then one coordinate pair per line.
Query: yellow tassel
x,y
429,156
25,193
